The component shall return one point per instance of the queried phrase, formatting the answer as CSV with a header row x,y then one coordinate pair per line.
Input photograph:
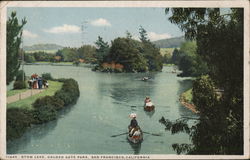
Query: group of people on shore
x,y
37,82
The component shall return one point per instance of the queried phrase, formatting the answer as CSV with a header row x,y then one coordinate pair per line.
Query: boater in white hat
x,y
133,122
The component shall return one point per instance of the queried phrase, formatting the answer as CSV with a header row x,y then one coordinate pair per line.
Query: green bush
x,y
44,114
66,97
29,58
20,85
69,92
49,101
47,76
45,109
18,120
20,75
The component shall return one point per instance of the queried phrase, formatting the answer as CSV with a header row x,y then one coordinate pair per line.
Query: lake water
x,y
103,110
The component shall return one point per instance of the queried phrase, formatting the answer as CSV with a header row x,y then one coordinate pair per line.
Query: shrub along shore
x,y
43,110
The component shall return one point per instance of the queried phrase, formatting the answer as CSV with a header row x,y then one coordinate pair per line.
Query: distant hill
x,y
43,47
170,43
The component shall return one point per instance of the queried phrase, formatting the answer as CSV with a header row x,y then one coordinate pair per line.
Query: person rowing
x,y
135,134
148,105
133,124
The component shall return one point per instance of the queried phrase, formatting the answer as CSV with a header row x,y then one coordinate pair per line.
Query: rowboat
x,y
149,108
135,138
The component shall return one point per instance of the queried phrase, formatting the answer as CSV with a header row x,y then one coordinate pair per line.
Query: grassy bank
x,y
16,91
168,65
27,103
41,108
187,95
186,100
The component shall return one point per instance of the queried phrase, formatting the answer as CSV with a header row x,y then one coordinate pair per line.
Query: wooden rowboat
x,y
136,138
149,108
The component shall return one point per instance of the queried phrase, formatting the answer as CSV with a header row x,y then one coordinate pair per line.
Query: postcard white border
x,y
240,3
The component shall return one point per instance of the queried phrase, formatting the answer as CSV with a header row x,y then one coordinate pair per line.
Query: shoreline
x,y
187,104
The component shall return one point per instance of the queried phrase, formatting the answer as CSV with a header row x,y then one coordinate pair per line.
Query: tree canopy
x,y
14,36
102,49
219,95
133,55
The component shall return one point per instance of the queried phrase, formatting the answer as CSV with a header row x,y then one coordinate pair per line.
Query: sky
x,y
73,27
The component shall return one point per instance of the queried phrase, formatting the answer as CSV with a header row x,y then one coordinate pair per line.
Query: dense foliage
x,y
187,59
102,50
124,51
47,76
85,53
20,85
44,109
218,96
130,54
20,82
69,92
20,76
18,120
14,35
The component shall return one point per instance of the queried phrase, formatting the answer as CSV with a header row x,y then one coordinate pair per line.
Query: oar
x,y
154,134
119,134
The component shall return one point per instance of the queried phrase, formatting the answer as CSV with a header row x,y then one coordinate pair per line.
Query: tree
x,y
150,52
102,49
176,56
14,35
67,54
128,35
29,58
87,52
43,56
143,34
124,51
219,37
189,61
153,56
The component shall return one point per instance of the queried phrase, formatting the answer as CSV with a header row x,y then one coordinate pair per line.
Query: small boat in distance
x,y
149,108
145,78
148,105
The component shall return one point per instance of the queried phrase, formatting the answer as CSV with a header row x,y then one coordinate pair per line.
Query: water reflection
x,y
150,114
37,132
136,147
40,131
127,88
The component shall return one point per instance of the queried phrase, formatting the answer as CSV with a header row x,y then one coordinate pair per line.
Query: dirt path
x,y
23,95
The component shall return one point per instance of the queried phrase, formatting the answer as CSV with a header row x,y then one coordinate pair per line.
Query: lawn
x,y
16,91
46,51
168,65
27,103
188,95
48,62
167,51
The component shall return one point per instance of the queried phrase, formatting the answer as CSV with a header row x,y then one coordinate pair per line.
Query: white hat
x,y
132,115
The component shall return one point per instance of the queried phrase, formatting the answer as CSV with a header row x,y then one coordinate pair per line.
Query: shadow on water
x,y
136,147
40,131
37,131
150,114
